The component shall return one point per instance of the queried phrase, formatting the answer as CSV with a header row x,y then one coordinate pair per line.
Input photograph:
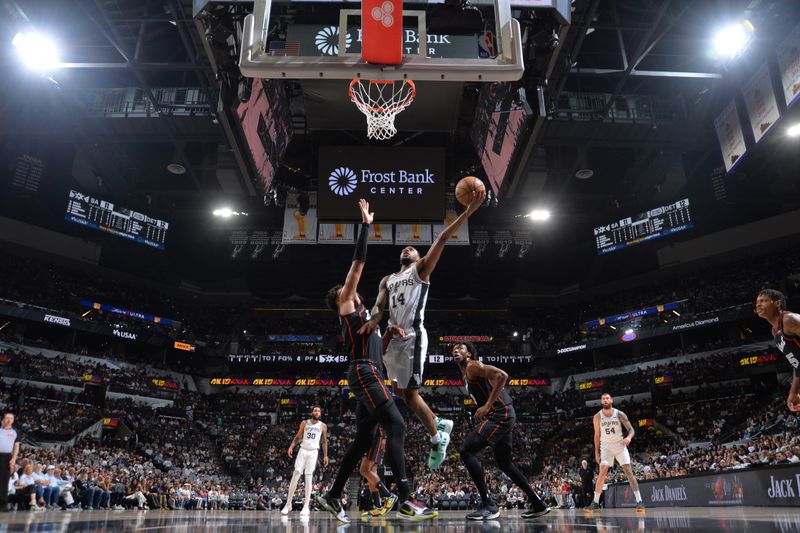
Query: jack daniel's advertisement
x,y
762,486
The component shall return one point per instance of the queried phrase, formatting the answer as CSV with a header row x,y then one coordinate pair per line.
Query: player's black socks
x,y
384,492
376,499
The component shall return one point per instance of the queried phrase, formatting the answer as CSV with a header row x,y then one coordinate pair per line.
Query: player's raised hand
x,y
366,216
793,402
478,197
395,330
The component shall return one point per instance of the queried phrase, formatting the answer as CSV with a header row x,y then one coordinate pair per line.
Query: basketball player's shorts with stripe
x,y
610,452
497,427
365,380
375,453
405,359
306,461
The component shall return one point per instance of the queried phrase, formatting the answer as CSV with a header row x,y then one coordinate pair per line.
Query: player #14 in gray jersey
x,y
408,295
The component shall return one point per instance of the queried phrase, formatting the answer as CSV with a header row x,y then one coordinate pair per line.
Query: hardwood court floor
x,y
608,521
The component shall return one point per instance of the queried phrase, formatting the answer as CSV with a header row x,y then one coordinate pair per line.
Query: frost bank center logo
x,y
342,181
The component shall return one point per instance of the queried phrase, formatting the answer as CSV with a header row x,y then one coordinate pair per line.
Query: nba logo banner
x,y
335,234
412,234
299,228
382,31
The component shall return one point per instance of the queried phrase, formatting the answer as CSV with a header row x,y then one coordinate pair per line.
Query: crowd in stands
x,y
37,282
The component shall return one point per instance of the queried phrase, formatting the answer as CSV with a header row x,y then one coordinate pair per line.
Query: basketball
x,y
465,187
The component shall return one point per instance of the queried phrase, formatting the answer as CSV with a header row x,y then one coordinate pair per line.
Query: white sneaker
x,y
285,510
443,424
305,511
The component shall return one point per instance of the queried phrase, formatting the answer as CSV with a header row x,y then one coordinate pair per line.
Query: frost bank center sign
x,y
401,184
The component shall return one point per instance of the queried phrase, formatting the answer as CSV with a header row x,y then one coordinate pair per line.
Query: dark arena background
x,y
178,192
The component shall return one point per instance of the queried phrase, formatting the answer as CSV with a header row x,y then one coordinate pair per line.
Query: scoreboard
x,y
104,216
652,224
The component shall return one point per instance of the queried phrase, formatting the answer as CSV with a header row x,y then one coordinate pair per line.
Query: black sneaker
x,y
488,511
592,507
640,507
536,513
333,506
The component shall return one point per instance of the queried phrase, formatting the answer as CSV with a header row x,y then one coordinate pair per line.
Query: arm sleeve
x,y
360,253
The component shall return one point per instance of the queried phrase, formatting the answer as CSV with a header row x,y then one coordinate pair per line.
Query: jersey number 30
x,y
400,298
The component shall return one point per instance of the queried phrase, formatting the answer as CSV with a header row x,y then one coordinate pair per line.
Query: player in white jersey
x,y
611,445
406,292
311,435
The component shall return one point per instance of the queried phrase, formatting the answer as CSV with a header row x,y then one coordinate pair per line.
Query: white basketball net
x,y
381,101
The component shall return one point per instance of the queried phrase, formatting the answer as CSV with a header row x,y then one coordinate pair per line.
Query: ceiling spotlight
x,y
36,51
224,212
731,40
176,168
584,173
539,215
515,334
793,131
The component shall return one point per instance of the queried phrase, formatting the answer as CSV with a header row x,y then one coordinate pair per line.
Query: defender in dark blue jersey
x,y
771,306
365,378
496,418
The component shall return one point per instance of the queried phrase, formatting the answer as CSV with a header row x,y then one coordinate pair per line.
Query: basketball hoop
x,y
381,101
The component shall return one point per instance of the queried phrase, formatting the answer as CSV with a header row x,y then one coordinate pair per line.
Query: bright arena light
x,y
224,212
539,215
793,131
731,40
36,51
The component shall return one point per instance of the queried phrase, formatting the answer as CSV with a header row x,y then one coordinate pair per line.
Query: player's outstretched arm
x,y
376,314
426,265
495,376
623,419
359,256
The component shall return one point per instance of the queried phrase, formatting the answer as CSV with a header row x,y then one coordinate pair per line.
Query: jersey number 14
x,y
400,298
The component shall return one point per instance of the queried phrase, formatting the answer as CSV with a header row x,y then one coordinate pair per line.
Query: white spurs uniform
x,y
611,445
405,357
306,460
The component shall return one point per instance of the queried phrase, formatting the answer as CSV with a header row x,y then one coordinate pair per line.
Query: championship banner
x,y
336,234
380,234
731,138
297,227
461,237
789,66
413,234
762,106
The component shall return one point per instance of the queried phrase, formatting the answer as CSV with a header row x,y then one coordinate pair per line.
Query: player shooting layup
x,y
610,445
310,434
406,292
